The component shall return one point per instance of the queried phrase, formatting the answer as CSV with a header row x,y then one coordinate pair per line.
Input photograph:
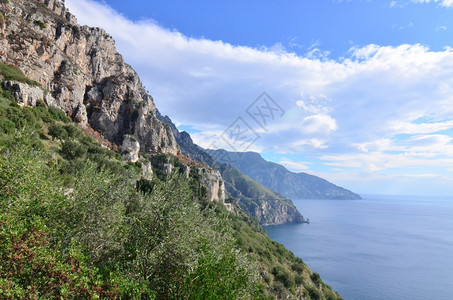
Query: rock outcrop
x,y
213,182
147,171
272,212
130,148
83,72
27,95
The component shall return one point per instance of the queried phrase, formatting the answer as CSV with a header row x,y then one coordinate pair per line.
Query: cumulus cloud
x,y
319,124
377,109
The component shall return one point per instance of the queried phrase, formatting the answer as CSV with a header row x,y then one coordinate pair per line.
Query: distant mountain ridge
x,y
276,177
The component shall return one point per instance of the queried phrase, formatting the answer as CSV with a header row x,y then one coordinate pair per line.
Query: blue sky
x,y
360,92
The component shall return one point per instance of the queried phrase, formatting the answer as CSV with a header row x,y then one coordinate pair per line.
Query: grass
x,y
9,72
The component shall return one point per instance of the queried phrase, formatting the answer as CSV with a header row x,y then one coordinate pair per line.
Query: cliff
x,y
83,72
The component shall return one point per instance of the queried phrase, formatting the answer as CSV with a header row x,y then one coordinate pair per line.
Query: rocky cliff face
x,y
272,212
213,182
83,72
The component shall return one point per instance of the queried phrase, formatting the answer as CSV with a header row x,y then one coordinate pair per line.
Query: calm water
x,y
379,248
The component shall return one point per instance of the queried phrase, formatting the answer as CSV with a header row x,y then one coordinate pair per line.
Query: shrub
x,y
14,114
58,114
43,113
316,278
72,131
29,115
72,149
312,293
40,23
56,131
31,268
298,266
299,279
282,275
6,126
6,95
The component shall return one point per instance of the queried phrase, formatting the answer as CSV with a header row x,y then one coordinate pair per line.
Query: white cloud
x,y
348,112
378,145
419,128
444,3
378,161
429,141
293,166
313,143
319,124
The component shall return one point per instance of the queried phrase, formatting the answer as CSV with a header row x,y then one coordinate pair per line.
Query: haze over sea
x,y
382,247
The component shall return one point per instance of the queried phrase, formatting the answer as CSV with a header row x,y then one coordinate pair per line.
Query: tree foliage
x,y
158,244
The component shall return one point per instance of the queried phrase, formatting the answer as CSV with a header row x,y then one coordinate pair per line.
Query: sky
x,y
357,92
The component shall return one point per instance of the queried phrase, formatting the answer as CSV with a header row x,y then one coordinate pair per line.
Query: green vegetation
x,y
77,222
42,25
73,227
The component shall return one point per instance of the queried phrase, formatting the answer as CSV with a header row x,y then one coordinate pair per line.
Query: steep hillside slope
x,y
278,178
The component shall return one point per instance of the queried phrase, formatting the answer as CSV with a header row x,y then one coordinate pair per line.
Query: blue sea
x,y
382,247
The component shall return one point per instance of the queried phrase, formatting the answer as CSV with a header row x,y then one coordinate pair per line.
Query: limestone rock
x,y
130,148
168,168
147,171
213,182
274,212
27,95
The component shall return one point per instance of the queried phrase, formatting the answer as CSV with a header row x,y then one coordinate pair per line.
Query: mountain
x,y
278,178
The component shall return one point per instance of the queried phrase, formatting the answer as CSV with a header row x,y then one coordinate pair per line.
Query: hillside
x,y
276,177
97,200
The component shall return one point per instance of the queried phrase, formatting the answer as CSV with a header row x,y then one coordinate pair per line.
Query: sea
x,y
381,247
